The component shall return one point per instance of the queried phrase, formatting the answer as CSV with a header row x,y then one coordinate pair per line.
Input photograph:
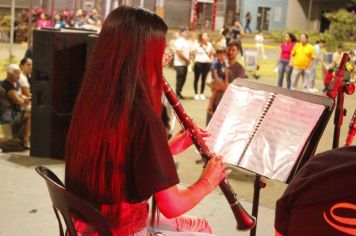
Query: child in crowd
x,y
218,75
329,75
260,47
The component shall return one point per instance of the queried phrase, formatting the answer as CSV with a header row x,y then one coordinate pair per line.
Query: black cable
x,y
54,110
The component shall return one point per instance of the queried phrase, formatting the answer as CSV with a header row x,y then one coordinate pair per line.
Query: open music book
x,y
262,131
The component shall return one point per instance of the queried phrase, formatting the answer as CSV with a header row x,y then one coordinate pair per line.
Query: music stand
x,y
307,149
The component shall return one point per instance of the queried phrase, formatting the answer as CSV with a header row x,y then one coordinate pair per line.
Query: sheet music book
x,y
262,131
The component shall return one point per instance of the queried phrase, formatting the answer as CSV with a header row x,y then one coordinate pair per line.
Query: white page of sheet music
x,y
281,137
234,120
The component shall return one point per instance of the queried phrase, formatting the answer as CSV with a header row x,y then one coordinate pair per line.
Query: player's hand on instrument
x,y
179,142
214,172
204,133
182,140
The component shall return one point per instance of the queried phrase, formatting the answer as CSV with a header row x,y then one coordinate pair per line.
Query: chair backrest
x,y
67,203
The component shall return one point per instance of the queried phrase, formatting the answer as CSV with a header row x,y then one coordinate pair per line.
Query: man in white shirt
x,y
181,60
26,71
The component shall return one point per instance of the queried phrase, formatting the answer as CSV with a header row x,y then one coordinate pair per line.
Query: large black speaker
x,y
59,61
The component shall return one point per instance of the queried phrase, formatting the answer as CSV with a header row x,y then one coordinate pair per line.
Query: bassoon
x,y
243,219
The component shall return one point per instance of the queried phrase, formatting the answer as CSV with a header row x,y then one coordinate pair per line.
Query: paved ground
x,y
25,205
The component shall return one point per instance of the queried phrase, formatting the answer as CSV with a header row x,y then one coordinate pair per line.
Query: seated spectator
x,y
15,108
43,21
25,76
217,68
59,21
83,22
95,18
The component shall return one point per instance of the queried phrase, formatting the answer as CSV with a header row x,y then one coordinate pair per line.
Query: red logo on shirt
x,y
339,222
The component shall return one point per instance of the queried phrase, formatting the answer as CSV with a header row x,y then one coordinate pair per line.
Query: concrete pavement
x,y
26,208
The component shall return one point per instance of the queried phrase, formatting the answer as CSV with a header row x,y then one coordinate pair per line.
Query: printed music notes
x,y
262,131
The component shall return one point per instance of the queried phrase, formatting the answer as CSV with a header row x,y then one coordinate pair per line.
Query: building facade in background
x,y
306,15
267,15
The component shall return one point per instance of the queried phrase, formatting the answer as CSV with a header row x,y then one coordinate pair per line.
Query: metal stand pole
x,y
256,199
340,112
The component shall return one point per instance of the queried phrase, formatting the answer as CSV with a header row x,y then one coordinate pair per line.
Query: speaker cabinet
x,y
59,61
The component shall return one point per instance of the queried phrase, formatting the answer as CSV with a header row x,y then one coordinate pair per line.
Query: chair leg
x,y
71,231
59,222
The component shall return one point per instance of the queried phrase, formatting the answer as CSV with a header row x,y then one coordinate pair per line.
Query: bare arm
x,y
16,98
26,91
182,140
292,54
175,201
181,56
312,57
219,85
179,142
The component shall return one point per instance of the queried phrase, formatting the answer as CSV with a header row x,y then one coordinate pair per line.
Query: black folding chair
x,y
66,203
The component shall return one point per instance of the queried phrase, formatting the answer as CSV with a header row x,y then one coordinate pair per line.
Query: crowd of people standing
x,y
297,59
300,59
200,54
220,59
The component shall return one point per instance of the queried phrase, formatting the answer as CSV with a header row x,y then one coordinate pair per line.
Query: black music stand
x,y
310,145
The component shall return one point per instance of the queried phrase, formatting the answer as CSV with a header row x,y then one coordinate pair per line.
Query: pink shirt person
x,y
43,22
286,49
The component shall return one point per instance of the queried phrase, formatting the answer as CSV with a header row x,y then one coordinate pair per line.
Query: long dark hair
x,y
126,65
292,37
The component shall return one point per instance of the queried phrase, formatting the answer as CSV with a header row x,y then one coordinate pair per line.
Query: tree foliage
x,y
331,42
342,25
342,30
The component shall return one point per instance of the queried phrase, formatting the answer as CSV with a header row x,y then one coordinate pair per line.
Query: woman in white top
x,y
204,52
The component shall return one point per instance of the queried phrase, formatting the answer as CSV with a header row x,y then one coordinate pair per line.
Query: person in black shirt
x,y
236,34
321,198
233,70
117,153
